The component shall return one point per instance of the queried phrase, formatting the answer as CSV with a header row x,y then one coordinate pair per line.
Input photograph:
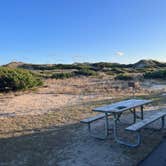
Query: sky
x,y
67,31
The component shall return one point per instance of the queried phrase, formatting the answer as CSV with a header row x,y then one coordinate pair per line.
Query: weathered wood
x,y
139,125
92,119
122,106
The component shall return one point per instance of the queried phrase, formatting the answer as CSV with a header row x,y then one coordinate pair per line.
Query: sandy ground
x,y
47,129
57,94
72,145
85,150
36,103
53,96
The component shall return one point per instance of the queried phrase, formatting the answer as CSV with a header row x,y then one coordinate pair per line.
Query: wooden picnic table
x,y
118,108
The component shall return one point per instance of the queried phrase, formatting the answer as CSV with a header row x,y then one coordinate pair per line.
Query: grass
x,y
42,139
10,127
37,148
68,115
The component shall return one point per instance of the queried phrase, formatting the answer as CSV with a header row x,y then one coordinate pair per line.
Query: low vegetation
x,y
153,69
158,74
86,72
80,72
17,79
124,77
62,75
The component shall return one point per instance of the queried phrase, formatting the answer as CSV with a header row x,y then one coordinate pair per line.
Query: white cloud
x,y
119,53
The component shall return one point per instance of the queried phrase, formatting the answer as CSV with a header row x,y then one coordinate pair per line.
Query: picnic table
x,y
118,108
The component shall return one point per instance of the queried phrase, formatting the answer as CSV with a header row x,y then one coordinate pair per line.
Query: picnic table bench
x,y
116,110
90,120
136,127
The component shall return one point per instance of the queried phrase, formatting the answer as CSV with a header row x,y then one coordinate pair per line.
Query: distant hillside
x,y
14,64
92,66
27,65
148,63
114,70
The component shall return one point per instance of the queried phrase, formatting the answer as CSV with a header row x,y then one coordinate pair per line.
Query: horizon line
x,y
81,62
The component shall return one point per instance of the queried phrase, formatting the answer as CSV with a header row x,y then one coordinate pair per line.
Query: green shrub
x,y
86,72
159,74
124,77
117,70
81,72
17,79
62,75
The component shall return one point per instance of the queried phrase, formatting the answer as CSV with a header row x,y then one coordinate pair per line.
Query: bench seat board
x,y
146,121
94,118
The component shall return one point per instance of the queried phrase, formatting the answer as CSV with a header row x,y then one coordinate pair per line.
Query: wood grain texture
x,y
137,126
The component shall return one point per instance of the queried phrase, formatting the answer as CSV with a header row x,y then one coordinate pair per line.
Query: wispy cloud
x,y
119,53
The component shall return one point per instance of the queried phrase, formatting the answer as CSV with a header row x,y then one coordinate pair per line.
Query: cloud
x,y
119,53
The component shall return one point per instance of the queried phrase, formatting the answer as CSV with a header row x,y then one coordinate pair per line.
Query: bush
x,y
17,79
86,72
124,77
159,74
62,75
81,72
117,70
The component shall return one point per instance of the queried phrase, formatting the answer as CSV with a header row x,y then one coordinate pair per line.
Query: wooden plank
x,y
148,120
94,118
122,106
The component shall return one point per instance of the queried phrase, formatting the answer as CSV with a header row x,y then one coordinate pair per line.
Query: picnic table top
x,y
122,106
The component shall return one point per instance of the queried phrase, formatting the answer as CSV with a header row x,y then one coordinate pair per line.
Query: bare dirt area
x,y
42,127
25,144
62,93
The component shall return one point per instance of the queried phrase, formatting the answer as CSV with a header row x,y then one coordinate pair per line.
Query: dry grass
x,y
53,139
57,94
46,129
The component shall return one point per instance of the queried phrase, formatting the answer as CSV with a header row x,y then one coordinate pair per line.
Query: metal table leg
x,y
162,122
134,115
106,133
142,112
119,140
106,124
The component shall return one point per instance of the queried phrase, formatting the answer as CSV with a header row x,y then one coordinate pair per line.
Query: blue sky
x,y
66,31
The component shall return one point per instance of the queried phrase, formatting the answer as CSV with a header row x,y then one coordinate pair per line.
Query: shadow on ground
x,y
37,148
72,146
